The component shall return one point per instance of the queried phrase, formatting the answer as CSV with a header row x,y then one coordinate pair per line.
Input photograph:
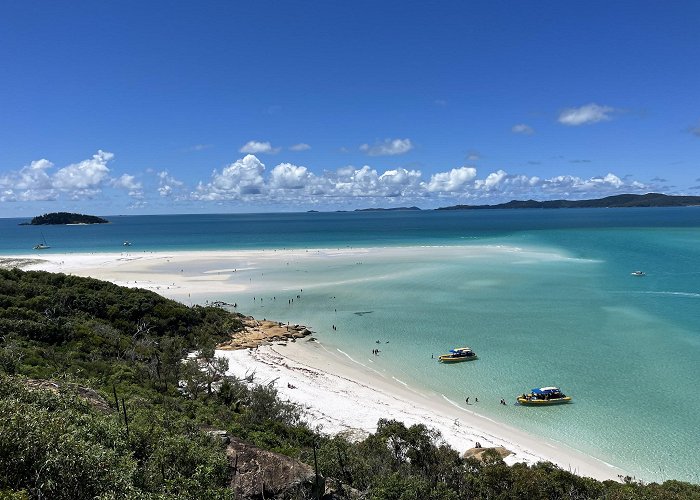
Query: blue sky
x,y
174,107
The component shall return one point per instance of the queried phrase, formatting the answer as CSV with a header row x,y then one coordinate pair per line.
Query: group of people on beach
x,y
476,400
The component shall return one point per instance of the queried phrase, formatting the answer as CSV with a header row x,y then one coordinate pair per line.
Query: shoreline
x,y
331,387
341,396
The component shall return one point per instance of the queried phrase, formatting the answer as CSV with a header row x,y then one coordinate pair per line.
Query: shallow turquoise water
x,y
563,311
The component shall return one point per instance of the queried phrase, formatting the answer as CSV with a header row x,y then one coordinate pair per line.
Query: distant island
x,y
397,209
617,201
64,218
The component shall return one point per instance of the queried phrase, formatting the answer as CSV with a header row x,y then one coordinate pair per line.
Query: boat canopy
x,y
546,390
460,349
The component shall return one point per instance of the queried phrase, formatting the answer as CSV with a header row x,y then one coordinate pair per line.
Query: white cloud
x,y
522,129
240,178
590,113
85,179
399,177
129,183
86,175
400,182
126,181
492,181
567,183
501,181
33,176
288,176
449,182
300,147
256,147
390,147
167,184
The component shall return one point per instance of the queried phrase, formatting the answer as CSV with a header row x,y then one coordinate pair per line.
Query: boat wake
x,y
693,295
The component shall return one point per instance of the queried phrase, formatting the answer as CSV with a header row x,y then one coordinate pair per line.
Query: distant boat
x,y
638,273
127,243
458,354
42,245
544,396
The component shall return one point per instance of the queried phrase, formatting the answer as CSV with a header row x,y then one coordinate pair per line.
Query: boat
x,y
127,243
458,354
638,273
42,245
544,396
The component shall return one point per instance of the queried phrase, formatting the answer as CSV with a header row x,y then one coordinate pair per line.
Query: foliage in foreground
x,y
129,345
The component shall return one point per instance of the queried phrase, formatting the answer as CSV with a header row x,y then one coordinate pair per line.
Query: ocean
x,y
547,300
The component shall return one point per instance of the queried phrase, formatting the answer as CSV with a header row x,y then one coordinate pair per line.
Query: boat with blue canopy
x,y
458,354
543,396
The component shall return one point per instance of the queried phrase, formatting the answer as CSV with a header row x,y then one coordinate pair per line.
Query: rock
x,y
256,333
259,474
217,434
337,491
479,452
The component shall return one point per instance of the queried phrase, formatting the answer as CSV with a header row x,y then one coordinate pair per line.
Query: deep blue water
x,y
340,229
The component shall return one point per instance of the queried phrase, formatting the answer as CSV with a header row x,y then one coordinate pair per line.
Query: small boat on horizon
x,y
458,354
638,273
544,396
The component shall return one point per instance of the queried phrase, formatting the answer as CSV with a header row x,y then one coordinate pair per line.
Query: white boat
x,y
42,245
638,273
127,243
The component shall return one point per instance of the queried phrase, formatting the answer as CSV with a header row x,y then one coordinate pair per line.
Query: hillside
x,y
617,201
97,401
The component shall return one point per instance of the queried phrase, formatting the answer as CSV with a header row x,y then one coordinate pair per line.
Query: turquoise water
x,y
563,310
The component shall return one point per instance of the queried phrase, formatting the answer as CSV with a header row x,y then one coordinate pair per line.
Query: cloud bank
x,y
250,183
83,180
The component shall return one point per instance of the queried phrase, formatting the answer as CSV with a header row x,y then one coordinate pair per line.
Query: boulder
x,y
479,452
259,474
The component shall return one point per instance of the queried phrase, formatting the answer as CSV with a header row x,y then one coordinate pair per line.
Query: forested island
x,y
98,399
616,201
56,218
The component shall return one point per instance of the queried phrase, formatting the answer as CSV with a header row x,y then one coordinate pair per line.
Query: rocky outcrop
x,y
260,474
257,332
478,452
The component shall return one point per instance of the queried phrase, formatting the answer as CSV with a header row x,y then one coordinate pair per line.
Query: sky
x,y
159,107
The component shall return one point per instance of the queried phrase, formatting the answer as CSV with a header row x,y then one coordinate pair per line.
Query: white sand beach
x,y
338,394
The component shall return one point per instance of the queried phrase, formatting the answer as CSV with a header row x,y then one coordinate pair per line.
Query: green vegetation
x,y
65,218
140,435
